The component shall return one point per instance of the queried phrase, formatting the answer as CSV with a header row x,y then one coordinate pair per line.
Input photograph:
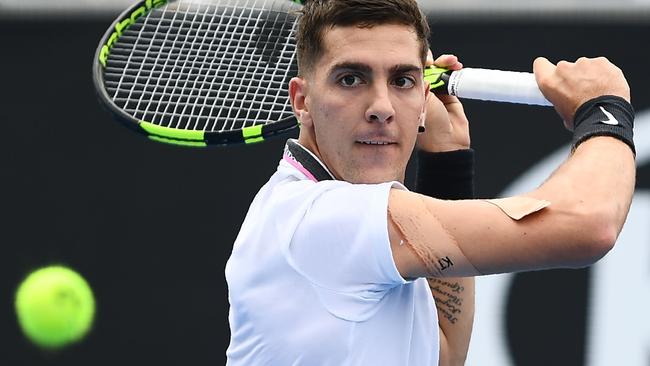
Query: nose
x,y
380,108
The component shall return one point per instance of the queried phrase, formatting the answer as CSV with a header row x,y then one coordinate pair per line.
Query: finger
x,y
447,100
449,62
441,104
445,60
543,69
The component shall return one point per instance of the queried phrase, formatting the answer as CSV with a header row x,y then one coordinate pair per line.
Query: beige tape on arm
x,y
424,234
519,207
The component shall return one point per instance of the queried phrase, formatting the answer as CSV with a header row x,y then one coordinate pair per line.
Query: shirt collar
x,y
306,162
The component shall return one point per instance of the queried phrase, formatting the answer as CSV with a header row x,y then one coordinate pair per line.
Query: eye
x,y
350,80
404,82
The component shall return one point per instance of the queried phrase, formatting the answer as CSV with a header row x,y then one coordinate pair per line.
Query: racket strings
x,y
227,110
177,68
149,101
192,124
258,95
283,73
167,72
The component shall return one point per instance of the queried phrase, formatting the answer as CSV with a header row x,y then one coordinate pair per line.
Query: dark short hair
x,y
317,16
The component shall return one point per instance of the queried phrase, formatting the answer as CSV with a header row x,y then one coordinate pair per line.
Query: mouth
x,y
376,142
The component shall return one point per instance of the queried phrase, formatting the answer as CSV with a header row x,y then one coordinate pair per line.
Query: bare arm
x,y
447,130
454,299
590,195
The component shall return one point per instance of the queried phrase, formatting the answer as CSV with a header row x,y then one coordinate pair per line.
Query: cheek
x,y
411,118
333,100
412,110
332,111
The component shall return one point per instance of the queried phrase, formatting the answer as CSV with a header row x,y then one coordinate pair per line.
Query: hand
x,y
570,84
447,128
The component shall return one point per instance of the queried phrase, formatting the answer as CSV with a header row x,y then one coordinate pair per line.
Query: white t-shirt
x,y
312,279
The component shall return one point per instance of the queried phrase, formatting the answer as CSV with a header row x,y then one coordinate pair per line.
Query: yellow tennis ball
x,y
55,307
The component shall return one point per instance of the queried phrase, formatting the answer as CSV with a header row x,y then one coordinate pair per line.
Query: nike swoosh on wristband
x,y
611,120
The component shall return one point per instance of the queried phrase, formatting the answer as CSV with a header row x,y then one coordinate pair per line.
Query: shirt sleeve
x,y
342,247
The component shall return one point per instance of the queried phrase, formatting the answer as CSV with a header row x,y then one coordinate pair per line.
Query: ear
x,y
298,96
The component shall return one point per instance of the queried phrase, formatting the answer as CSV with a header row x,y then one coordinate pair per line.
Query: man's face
x,y
361,106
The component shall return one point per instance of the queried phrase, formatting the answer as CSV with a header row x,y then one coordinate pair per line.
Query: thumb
x,y
546,80
542,68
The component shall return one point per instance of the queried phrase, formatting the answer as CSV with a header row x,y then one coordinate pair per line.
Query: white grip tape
x,y
496,86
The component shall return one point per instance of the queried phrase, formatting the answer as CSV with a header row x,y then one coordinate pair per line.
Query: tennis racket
x,y
215,72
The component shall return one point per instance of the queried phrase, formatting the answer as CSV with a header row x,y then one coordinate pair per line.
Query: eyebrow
x,y
405,68
350,66
364,68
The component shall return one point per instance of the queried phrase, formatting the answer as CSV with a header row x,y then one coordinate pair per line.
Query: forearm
x,y
594,187
589,199
450,175
454,299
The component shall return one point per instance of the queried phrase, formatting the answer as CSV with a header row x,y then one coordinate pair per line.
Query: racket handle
x,y
485,84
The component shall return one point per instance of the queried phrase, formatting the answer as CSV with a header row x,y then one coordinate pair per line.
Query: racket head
x,y
200,72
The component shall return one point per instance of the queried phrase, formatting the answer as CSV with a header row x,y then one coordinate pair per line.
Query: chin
x,y
370,172
376,178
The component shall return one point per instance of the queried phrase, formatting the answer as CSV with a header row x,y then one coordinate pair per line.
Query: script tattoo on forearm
x,y
448,298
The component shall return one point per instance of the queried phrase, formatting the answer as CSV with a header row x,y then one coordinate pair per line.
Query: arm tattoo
x,y
448,297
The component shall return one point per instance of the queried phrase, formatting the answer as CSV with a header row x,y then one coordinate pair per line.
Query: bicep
x,y
421,245
438,238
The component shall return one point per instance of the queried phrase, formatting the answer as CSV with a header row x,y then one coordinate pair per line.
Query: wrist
x,y
607,115
445,175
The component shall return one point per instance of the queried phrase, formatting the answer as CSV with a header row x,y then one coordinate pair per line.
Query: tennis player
x,y
337,263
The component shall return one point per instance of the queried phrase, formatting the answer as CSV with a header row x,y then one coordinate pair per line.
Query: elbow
x,y
598,245
598,235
